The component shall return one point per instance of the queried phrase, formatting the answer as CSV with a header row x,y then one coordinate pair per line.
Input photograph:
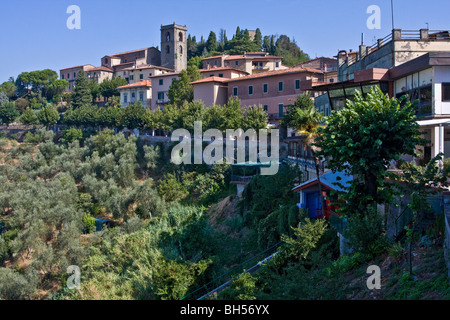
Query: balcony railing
x,y
162,101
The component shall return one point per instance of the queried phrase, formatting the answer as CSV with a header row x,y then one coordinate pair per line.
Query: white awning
x,y
434,122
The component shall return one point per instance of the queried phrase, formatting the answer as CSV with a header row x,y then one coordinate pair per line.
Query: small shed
x,y
308,192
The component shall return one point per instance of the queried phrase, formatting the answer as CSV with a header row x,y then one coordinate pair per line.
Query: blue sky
x,y
34,34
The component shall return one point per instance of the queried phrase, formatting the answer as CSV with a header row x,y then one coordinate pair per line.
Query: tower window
x,y
168,49
181,50
180,36
168,36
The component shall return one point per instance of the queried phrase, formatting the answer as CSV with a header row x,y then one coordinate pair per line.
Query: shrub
x,y
88,223
72,134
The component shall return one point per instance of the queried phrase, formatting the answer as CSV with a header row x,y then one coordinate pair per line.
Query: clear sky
x,y
34,34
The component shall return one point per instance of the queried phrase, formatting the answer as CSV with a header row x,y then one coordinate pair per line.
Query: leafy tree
x,y
3,98
57,87
81,95
108,88
48,115
9,89
70,135
254,118
8,112
363,139
133,116
22,104
29,117
181,89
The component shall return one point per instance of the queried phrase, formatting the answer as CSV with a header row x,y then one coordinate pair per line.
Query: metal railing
x,y
240,179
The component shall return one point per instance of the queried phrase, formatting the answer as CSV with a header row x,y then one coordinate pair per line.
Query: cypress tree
x,y
82,93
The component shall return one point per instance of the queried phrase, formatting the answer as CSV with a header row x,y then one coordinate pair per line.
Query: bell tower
x,y
174,47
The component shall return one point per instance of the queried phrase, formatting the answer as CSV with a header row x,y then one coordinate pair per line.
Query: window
x,y
181,50
167,49
106,61
180,36
125,98
235,91
141,96
74,75
280,86
220,75
68,76
297,84
277,64
215,62
265,87
62,76
266,107
168,36
160,96
132,77
237,63
446,92
161,82
280,110
141,76
211,75
133,95
250,90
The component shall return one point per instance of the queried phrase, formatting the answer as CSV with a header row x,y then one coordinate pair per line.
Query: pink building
x,y
222,72
211,91
273,90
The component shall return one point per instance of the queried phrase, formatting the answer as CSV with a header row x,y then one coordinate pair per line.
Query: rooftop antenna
x,y
392,12
428,26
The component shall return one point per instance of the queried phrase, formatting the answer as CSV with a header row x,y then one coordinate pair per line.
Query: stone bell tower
x,y
174,47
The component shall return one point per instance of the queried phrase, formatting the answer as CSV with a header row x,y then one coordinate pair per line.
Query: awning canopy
x,y
434,122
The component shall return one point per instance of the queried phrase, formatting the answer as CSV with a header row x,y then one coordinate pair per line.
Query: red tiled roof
x,y
222,69
211,79
77,67
101,68
276,73
143,83
214,57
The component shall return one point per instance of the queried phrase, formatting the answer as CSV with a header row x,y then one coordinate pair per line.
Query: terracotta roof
x,y
276,73
222,69
84,65
101,68
211,79
122,53
143,83
215,57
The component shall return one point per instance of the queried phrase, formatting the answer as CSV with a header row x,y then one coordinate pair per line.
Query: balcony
x,y
162,101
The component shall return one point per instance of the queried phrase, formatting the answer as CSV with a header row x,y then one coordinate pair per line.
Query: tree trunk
x,y
316,162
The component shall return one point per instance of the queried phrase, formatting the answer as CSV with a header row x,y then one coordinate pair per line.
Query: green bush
x,y
88,223
366,235
72,134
